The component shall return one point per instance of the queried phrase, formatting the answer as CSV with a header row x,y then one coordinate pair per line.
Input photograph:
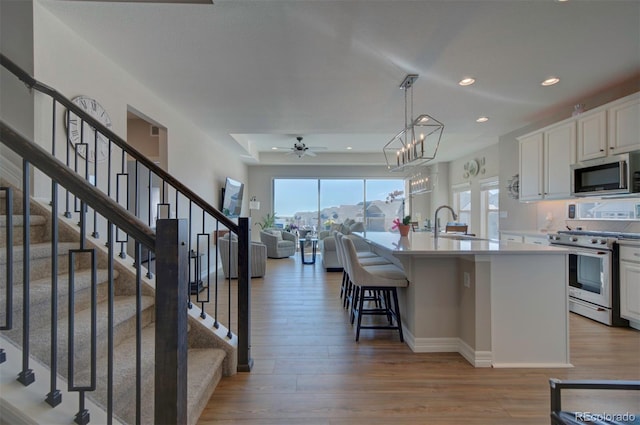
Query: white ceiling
x,y
265,71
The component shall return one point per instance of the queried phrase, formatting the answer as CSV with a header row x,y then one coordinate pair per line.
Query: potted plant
x,y
404,226
268,221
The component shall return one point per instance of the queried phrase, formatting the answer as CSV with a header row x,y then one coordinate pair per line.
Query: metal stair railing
x,y
99,195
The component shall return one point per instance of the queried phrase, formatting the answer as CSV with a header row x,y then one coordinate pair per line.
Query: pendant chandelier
x,y
405,150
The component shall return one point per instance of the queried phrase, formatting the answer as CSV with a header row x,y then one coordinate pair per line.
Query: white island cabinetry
x,y
498,304
630,284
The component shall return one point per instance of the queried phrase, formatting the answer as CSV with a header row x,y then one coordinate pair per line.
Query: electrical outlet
x,y
467,280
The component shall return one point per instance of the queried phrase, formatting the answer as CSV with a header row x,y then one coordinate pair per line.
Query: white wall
x,y
16,103
489,160
72,66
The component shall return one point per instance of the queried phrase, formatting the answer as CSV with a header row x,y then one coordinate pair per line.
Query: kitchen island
x,y
499,304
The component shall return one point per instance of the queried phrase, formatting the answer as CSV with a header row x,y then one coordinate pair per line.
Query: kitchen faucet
x,y
435,220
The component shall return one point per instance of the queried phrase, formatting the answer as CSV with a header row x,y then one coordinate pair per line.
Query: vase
x,y
404,229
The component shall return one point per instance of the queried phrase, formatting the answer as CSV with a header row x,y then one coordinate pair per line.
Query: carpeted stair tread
x,y
124,317
203,366
40,294
18,220
204,373
37,251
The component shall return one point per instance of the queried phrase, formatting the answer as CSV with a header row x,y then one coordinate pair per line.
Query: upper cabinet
x,y
624,125
531,166
610,129
592,135
546,154
545,160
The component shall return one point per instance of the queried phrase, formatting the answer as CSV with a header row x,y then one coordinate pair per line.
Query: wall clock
x,y
93,151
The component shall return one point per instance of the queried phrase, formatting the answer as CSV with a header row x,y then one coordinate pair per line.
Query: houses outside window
x,y
462,203
322,203
490,212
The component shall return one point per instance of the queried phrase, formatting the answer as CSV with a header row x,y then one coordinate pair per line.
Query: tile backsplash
x,y
552,216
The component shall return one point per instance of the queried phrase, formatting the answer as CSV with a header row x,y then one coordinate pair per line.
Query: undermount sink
x,y
457,236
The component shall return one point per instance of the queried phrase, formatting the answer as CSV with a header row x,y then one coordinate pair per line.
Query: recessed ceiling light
x,y
274,148
349,148
467,81
550,81
482,119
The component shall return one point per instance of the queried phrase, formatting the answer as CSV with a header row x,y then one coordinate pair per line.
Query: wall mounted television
x,y
232,197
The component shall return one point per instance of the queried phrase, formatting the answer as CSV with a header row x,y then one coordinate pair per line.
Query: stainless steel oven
x,y
593,275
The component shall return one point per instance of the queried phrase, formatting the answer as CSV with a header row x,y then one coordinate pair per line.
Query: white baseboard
x,y
476,358
532,365
448,345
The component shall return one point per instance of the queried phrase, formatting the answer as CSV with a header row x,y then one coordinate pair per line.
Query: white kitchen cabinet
x,y
531,164
592,135
545,160
559,154
624,125
630,284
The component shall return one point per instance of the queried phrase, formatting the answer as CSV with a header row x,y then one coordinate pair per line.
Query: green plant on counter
x,y
406,220
268,221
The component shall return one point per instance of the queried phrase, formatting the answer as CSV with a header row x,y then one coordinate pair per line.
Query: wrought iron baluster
x,y
149,217
138,259
110,319
216,324
55,396
95,233
26,376
83,416
8,324
67,213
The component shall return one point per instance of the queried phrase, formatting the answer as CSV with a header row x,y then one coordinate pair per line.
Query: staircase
x,y
205,365
127,346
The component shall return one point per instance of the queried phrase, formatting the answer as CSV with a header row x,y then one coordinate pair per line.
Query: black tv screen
x,y
232,198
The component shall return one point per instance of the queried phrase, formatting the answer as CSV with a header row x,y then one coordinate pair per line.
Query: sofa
x,y
230,269
279,243
327,243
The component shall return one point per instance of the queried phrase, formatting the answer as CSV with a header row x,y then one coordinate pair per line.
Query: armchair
x,y
280,243
258,257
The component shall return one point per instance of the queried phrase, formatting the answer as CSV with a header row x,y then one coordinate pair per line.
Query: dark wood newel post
x,y
172,281
244,295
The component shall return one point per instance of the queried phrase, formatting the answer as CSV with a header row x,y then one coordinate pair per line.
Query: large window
x,y
320,203
489,198
462,203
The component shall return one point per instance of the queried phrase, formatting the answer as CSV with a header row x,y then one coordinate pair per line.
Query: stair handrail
x,y
94,197
32,83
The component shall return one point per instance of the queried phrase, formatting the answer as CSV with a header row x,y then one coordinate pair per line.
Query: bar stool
x,y
365,257
384,279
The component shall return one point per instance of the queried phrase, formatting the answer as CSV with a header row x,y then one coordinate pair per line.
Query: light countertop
x,y
423,243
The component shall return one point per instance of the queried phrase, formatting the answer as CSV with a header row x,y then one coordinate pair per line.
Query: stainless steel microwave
x,y
612,175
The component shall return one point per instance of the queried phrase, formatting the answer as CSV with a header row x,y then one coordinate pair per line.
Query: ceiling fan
x,y
300,149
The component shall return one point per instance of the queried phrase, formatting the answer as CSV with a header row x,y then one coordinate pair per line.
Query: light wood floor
x,y
309,370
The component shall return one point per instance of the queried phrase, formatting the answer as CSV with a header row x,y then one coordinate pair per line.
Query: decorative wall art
x,y
474,167
513,187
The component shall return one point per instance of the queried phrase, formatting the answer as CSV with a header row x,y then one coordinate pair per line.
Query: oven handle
x,y
587,305
590,252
